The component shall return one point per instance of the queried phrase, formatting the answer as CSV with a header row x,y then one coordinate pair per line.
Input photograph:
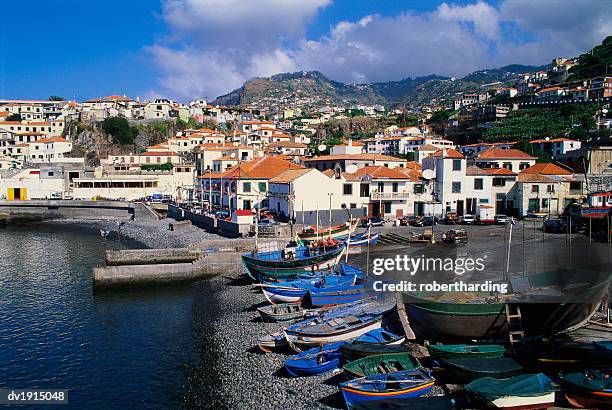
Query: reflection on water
x,y
122,349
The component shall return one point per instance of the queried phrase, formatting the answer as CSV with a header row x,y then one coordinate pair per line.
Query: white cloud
x,y
215,45
218,44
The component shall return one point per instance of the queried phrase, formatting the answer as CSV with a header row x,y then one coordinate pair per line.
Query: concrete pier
x,y
151,256
206,265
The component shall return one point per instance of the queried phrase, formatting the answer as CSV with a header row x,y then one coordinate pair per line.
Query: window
x,y
534,205
246,187
381,187
550,188
484,201
395,187
246,205
387,207
364,190
51,173
508,165
523,165
456,165
456,187
575,185
353,206
347,189
545,203
261,186
535,189
499,182
419,188
478,184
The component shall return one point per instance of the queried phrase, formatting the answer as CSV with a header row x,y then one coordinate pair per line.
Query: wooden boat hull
x,y
291,311
465,351
452,322
272,342
356,351
384,363
327,298
467,370
318,360
305,340
288,269
590,389
523,403
360,390
336,232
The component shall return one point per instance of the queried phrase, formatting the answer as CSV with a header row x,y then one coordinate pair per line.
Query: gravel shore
x,y
145,233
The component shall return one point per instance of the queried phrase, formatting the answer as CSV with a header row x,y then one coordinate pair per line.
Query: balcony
x,y
376,196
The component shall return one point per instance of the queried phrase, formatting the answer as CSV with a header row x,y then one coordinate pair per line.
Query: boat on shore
x,y
272,342
528,391
330,297
466,370
291,262
464,351
317,360
382,363
362,239
396,385
296,290
381,336
281,313
588,389
555,302
354,351
344,323
310,233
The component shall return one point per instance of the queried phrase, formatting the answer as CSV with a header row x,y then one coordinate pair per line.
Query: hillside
x,y
594,63
315,89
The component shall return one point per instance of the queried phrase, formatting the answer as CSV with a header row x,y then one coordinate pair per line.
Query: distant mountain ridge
x,y
315,89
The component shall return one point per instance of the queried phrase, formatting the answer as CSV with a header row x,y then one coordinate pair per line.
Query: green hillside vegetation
x,y
595,63
571,120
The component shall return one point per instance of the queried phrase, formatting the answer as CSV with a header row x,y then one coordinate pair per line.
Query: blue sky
x,y
194,48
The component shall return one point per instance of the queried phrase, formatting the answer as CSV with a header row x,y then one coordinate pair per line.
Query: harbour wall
x,y
36,210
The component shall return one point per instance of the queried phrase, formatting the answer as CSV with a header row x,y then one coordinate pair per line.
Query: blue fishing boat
x,y
317,360
330,297
396,385
294,291
381,336
291,261
591,389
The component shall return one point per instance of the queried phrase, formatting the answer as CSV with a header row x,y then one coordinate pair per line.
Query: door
x,y
376,209
419,208
460,207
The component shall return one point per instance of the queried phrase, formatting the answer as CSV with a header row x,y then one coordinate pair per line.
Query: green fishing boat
x,y
383,363
464,351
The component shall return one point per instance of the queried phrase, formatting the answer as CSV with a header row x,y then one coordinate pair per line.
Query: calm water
x,y
115,350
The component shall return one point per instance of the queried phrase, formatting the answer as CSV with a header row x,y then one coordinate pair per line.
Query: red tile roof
x,y
546,169
448,153
380,172
500,153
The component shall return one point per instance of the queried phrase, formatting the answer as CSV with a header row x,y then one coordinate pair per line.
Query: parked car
x,y
501,219
451,218
555,225
428,221
267,222
455,236
468,219
222,214
413,220
372,221
406,220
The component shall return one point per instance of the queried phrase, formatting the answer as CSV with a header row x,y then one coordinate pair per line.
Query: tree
x,y
13,117
440,116
120,130
56,98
